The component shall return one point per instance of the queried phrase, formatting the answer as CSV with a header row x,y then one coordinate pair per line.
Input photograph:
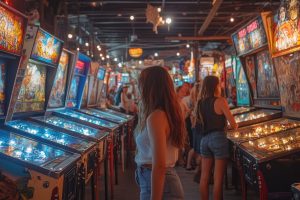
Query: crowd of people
x,y
183,126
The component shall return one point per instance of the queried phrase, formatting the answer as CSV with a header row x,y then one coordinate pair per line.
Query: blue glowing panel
x,y
71,126
113,112
104,115
87,118
30,151
101,73
51,135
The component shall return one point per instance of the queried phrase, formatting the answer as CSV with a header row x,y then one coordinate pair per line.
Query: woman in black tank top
x,y
213,113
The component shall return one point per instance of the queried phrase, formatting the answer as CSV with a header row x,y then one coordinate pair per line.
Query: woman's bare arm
x,y
157,125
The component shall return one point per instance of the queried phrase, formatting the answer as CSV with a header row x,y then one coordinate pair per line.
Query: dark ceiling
x,y
108,21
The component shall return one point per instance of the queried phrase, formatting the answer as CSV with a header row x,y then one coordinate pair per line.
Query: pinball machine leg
x,y
123,152
106,178
115,152
240,173
111,167
263,189
93,185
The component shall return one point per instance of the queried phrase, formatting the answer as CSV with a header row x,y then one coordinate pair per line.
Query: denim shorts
x,y
215,144
172,190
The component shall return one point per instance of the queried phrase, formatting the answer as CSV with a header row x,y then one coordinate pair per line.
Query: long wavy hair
x,y
209,87
157,92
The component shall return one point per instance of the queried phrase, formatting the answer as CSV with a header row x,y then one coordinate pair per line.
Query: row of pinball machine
x,y
265,149
55,139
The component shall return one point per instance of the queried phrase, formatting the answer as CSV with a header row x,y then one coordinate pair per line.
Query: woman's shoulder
x,y
158,113
221,101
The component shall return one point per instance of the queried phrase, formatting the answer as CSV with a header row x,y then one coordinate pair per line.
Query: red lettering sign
x,y
253,26
242,33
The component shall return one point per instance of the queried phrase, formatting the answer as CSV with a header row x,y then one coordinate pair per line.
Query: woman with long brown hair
x,y
214,114
159,135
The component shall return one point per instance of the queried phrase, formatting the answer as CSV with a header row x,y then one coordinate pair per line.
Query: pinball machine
x,y
62,139
68,119
275,155
30,168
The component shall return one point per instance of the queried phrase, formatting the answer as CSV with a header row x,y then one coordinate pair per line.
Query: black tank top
x,y
212,121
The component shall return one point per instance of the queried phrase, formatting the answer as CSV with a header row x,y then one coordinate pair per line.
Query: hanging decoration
x,y
153,17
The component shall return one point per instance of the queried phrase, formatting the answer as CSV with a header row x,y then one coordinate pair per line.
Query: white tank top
x,y
144,153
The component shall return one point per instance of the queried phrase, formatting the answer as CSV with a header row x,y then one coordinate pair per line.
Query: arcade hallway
x,y
128,190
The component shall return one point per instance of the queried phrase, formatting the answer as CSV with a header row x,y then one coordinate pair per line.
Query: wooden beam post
x,y
209,18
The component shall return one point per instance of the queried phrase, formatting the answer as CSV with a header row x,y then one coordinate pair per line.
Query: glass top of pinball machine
x,y
255,115
51,135
273,145
30,151
88,118
104,115
72,126
262,129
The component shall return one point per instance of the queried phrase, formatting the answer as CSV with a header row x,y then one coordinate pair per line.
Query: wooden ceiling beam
x,y
212,13
201,38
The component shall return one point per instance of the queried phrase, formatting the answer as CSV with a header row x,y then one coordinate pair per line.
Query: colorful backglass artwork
x,y
230,83
250,37
58,92
32,93
101,73
288,72
243,96
74,88
85,95
12,28
47,48
251,74
267,86
2,86
93,83
286,28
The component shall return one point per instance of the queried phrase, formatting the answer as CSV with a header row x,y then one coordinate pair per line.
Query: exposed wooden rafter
x,y
212,13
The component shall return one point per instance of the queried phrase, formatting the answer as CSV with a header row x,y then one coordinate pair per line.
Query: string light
x,y
87,44
115,59
187,45
70,36
102,58
158,9
131,17
231,19
168,20
78,48
107,56
156,54
178,54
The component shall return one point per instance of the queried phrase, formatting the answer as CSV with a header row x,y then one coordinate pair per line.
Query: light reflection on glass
x,y
87,118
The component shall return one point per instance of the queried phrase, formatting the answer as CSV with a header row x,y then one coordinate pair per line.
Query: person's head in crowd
x,y
129,95
157,92
211,87
125,88
195,92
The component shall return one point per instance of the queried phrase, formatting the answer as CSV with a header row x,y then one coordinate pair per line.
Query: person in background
x,y
194,139
111,95
214,114
159,135
132,108
181,93
124,104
